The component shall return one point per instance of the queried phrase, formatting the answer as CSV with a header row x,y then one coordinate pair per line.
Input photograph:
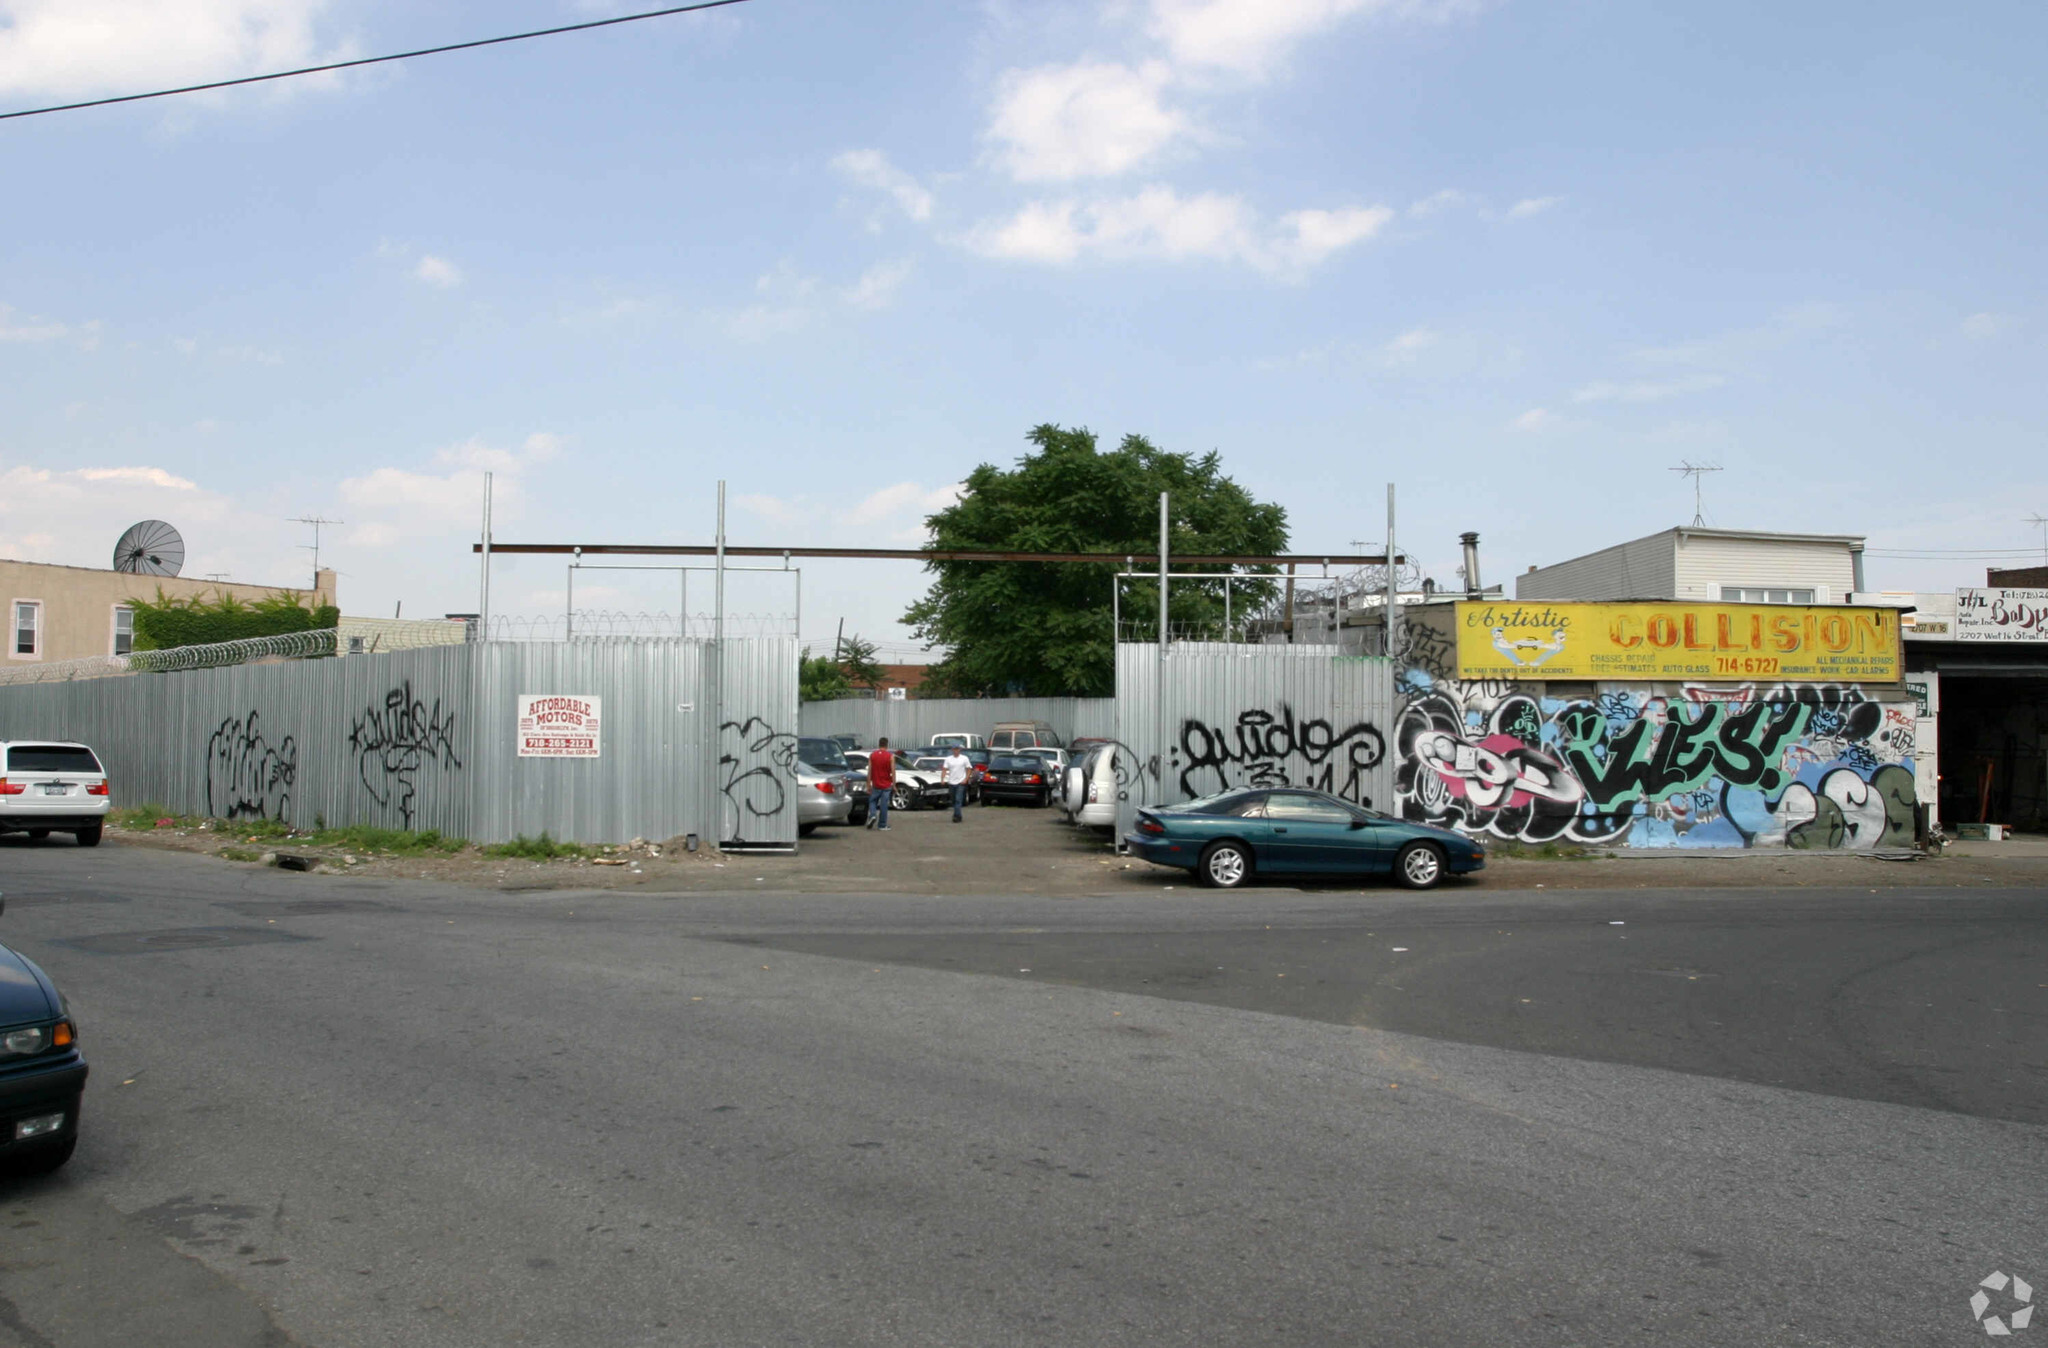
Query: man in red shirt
x,y
881,782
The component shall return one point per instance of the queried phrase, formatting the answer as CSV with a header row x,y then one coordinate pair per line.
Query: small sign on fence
x,y
552,725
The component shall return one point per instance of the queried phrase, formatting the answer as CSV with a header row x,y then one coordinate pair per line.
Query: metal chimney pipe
x,y
1471,544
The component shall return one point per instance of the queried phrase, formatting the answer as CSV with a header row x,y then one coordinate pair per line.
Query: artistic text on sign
x,y
2001,615
1800,643
554,725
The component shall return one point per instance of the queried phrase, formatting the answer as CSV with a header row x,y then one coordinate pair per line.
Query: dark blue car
x,y
42,1075
1228,838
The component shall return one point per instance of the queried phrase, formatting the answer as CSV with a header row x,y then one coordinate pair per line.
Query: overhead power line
x,y
377,60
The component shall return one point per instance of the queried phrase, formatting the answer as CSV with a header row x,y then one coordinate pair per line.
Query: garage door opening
x,y
1994,751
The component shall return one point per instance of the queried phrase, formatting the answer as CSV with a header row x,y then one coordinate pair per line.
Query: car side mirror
x,y
1360,823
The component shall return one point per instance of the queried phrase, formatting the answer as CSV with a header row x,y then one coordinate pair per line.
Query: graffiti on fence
x,y
1275,748
1796,766
754,791
394,739
247,777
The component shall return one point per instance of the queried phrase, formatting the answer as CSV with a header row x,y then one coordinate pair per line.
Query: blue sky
x,y
1517,258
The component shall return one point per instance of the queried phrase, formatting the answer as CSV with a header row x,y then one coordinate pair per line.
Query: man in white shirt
x,y
958,767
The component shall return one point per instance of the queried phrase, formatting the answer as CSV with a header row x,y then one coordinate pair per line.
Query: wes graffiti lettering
x,y
1802,766
1648,762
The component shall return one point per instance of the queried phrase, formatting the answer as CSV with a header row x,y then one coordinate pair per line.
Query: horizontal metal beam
x,y
927,555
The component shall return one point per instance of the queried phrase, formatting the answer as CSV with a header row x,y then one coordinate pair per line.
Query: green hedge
x,y
166,624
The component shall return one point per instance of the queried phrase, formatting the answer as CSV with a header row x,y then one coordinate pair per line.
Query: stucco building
x,y
76,612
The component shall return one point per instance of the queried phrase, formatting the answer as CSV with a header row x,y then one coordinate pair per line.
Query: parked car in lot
x,y
920,782
49,786
42,1073
941,743
1023,735
821,798
1021,778
1054,759
1091,788
1226,839
829,757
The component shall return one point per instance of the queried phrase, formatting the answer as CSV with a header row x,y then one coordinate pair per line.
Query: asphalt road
x,y
347,1112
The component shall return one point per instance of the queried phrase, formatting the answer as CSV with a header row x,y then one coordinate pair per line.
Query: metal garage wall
x,y
381,741
915,721
1237,715
646,782
426,739
756,722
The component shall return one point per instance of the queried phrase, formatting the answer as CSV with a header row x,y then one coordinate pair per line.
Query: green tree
x,y
820,679
165,624
1043,628
857,658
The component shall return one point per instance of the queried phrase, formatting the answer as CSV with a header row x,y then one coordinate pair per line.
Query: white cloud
x,y
1308,237
35,328
877,286
1160,224
1529,206
872,169
72,517
437,271
1534,420
895,513
1438,201
73,48
1086,120
1250,37
1410,345
1744,346
154,477
1646,390
1985,326
390,503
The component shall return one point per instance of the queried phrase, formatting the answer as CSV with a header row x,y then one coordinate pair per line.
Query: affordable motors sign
x,y
552,725
1789,642
2001,615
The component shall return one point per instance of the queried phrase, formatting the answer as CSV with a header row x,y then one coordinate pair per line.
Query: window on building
x,y
28,627
124,629
1750,594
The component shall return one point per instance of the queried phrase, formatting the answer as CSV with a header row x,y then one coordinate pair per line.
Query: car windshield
x,y
51,758
822,753
1019,763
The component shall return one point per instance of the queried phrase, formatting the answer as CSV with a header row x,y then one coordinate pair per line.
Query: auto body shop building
x,y
1698,688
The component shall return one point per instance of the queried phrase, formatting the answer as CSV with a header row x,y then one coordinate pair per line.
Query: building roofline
x,y
138,575
1854,542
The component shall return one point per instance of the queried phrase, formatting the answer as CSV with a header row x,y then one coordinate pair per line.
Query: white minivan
x,y
1089,798
48,786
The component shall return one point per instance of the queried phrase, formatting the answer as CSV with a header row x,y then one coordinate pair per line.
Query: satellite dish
x,y
151,548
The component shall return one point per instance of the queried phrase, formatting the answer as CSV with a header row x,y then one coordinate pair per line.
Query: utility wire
x,y
377,60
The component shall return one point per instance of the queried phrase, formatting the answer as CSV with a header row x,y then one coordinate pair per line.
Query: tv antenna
x,y
1697,472
2041,522
316,521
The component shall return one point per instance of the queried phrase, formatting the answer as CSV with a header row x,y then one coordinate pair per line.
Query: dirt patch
x,y
1015,850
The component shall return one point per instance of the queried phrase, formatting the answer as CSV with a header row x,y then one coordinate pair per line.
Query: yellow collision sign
x,y
1533,639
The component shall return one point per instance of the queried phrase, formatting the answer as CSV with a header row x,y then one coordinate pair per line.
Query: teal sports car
x,y
1227,838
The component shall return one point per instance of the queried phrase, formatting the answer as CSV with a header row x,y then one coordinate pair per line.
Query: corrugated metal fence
x,y
914,721
426,739
1237,715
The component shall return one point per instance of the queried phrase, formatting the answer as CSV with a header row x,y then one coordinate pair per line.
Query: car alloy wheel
x,y
902,799
1225,865
1420,865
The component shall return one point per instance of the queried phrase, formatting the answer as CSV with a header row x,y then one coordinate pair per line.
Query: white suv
x,y
49,787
